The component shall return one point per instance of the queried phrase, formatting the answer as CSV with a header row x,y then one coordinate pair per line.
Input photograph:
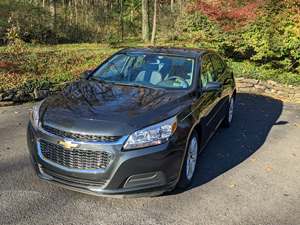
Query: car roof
x,y
185,52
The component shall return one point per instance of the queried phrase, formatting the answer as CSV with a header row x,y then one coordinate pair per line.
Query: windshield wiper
x,y
129,84
102,80
132,84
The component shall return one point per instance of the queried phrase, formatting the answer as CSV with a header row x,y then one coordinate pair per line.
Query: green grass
x,y
50,65
44,66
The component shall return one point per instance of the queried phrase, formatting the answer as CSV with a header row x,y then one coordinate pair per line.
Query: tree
x,y
121,19
172,6
229,14
154,23
145,20
53,12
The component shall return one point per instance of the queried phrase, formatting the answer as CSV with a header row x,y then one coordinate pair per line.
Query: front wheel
x,y
229,113
190,162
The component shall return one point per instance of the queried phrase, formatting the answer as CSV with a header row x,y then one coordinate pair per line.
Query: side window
x,y
218,64
207,71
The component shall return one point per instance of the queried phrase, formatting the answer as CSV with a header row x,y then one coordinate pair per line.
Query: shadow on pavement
x,y
253,119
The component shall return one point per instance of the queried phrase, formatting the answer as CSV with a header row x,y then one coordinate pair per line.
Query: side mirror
x,y
212,86
85,74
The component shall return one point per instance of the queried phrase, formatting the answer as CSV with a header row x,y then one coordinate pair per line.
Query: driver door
x,y
209,99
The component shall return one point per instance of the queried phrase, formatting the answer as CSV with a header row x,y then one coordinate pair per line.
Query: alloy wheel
x,y
191,158
231,109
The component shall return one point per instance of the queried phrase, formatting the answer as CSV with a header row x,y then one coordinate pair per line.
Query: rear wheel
x,y
190,162
229,113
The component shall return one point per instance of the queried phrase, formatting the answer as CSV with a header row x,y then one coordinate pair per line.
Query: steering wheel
x,y
183,81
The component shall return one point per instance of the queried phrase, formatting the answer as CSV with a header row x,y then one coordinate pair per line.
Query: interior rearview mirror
x,y
212,86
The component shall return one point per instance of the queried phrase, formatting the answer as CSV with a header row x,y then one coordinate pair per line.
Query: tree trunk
x,y
131,11
71,13
76,11
172,6
154,23
145,20
121,20
180,6
53,12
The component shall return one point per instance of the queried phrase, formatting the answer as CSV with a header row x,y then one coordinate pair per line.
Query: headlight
x,y
35,114
152,135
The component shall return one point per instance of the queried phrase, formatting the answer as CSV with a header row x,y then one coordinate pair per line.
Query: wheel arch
x,y
198,128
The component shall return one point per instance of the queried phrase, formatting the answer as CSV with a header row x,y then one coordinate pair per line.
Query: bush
x,y
274,38
249,69
199,30
266,47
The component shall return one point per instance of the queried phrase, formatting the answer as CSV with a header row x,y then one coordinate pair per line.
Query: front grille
x,y
75,158
80,137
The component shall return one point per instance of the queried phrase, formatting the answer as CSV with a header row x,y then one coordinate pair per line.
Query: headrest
x,y
188,66
150,59
180,70
152,67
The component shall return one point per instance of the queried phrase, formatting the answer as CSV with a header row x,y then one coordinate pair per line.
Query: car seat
x,y
150,75
150,71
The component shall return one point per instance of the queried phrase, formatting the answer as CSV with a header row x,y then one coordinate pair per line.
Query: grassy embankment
x,y
44,66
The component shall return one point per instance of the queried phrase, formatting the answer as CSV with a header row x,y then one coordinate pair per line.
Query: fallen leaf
x,y
232,185
268,168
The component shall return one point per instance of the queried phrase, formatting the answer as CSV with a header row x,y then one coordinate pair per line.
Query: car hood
x,y
92,107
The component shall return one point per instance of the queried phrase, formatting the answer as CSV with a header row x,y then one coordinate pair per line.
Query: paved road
x,y
248,174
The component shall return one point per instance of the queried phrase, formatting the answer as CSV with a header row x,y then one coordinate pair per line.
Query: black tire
x,y
184,182
227,120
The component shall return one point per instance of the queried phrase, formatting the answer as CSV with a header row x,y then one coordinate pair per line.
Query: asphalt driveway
x,y
248,174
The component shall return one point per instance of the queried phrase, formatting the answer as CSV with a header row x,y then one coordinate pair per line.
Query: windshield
x,y
151,70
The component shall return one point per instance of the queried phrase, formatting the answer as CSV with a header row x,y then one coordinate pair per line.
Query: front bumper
x,y
144,172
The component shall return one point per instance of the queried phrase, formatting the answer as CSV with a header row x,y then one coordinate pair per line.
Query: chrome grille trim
x,y
80,137
74,159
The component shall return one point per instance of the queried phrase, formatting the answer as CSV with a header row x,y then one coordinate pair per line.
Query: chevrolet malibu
x,y
135,125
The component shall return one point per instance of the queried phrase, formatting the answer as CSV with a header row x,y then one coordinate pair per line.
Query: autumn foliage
x,y
230,13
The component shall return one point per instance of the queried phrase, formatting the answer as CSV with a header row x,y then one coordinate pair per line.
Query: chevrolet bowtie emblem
x,y
68,144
